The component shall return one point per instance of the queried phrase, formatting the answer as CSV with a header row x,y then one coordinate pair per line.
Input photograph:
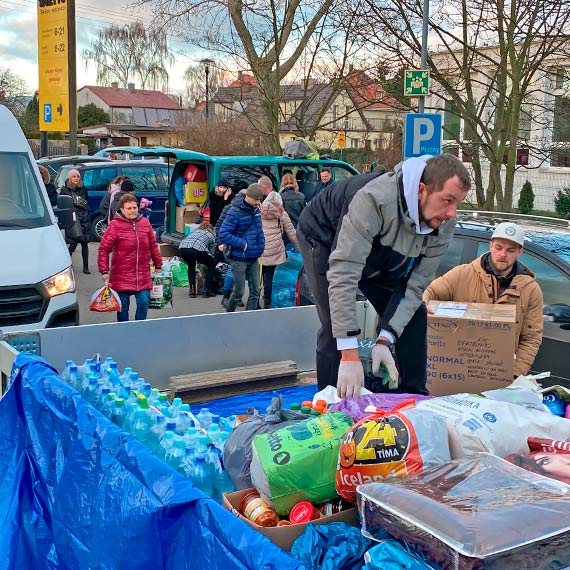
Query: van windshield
x,y
22,203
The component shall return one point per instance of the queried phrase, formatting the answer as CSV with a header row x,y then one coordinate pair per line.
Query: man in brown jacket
x,y
498,277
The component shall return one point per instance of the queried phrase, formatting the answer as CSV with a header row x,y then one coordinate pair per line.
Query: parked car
x,y
151,179
546,254
54,163
122,153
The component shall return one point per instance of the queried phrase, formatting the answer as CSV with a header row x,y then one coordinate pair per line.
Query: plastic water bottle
x,y
103,392
215,435
205,418
227,424
112,374
141,426
108,405
163,399
202,446
119,412
183,422
132,408
175,408
166,443
223,438
153,398
74,380
157,431
202,478
84,368
126,376
175,454
191,437
187,466
146,389
65,373
135,384
105,364
94,369
91,392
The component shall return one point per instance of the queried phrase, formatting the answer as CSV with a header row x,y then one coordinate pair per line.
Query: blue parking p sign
x,y
47,113
422,134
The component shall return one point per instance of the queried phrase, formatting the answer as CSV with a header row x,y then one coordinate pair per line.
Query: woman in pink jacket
x,y
131,240
275,222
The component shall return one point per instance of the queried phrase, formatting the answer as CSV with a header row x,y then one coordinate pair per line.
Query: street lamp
x,y
206,63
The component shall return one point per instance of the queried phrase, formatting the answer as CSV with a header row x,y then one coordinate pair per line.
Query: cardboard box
x,y
167,251
185,215
284,536
195,192
470,347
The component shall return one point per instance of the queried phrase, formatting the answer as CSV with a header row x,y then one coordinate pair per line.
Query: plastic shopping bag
x,y
161,292
105,300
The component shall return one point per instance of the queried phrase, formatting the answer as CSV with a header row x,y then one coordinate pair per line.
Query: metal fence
x,y
55,148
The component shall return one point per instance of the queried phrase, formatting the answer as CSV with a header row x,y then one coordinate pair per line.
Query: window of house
x,y
451,122
561,122
525,122
353,143
346,118
334,115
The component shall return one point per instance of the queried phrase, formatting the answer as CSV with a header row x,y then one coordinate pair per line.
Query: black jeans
x,y
411,347
84,250
268,271
192,256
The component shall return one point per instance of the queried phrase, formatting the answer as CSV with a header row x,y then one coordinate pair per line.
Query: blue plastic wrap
x,y
285,281
78,492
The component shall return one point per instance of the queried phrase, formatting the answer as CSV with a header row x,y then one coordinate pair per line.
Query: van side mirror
x,y
64,212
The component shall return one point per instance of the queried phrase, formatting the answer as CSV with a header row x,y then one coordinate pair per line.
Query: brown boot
x,y
266,303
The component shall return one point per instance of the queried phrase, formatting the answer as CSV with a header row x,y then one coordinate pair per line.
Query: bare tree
x,y
195,78
490,65
266,37
13,91
130,53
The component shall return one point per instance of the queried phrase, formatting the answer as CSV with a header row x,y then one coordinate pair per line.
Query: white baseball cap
x,y
510,231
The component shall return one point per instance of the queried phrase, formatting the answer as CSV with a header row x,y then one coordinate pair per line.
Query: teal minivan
x,y
240,171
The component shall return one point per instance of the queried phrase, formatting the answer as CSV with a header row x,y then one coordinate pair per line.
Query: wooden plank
x,y
231,376
209,393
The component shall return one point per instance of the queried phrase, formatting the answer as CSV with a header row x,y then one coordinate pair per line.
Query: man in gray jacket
x,y
385,235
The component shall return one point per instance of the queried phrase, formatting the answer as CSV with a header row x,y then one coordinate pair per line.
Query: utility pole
x,y
207,63
425,26
72,59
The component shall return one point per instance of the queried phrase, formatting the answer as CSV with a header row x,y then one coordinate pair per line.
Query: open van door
x,y
183,193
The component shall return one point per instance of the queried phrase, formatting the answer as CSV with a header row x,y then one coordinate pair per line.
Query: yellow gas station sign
x,y
53,65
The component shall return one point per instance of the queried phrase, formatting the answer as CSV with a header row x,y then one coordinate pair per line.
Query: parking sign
x,y
47,113
422,134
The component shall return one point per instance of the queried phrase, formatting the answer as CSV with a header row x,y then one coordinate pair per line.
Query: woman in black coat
x,y
74,188
293,201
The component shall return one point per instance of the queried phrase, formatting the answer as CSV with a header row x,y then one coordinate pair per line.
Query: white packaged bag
x,y
477,424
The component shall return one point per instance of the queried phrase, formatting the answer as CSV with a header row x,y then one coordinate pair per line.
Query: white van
x,y
37,285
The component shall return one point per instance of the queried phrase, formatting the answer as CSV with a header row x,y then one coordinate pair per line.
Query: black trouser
x,y
268,271
84,250
411,347
192,256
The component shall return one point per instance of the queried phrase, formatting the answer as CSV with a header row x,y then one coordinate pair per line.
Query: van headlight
x,y
60,283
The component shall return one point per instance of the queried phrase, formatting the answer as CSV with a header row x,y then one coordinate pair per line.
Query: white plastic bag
x,y
330,395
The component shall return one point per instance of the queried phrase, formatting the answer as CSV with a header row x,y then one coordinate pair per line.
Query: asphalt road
x,y
88,284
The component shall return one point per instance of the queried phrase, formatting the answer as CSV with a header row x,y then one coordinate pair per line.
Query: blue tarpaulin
x,y
78,492
259,400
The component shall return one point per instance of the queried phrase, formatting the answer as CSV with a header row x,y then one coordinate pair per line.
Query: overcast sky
x,y
18,38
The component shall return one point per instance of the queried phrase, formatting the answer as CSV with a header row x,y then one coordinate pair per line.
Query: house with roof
x,y
356,106
138,116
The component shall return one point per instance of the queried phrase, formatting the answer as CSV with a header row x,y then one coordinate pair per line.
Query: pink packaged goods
x,y
478,513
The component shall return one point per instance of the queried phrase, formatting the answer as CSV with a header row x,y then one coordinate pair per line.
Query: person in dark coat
x,y
293,201
242,231
127,187
219,198
50,186
113,189
324,182
131,240
74,188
